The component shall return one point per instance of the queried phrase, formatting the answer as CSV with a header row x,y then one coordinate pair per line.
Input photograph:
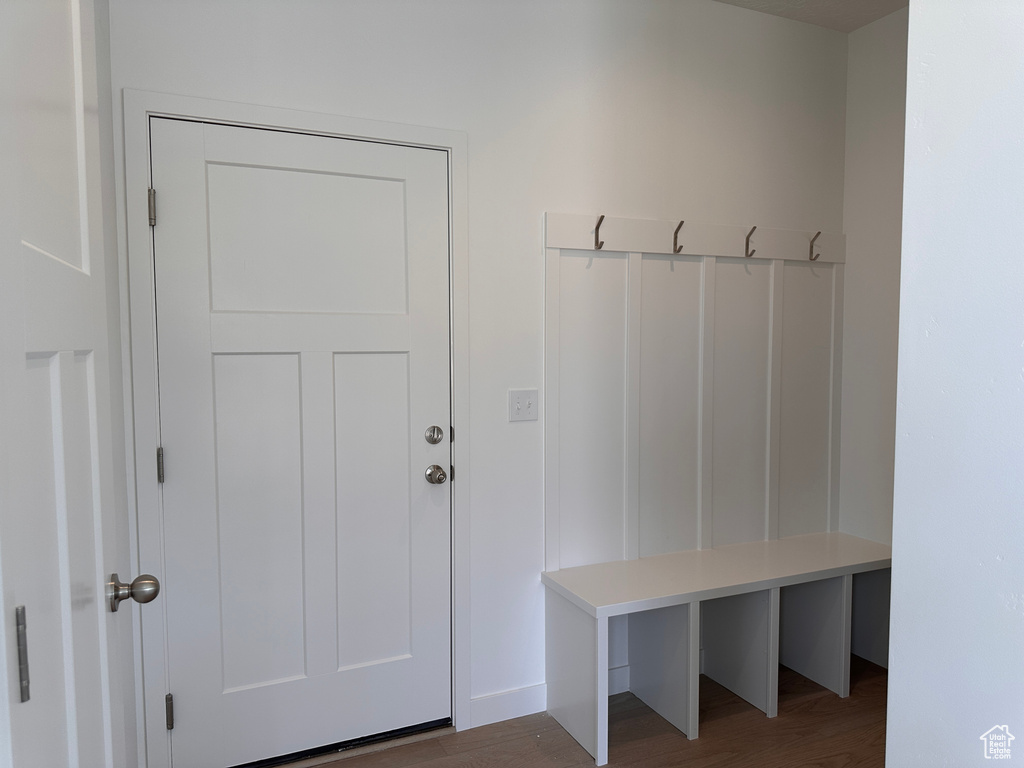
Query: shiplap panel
x,y
592,364
670,370
716,432
741,352
806,388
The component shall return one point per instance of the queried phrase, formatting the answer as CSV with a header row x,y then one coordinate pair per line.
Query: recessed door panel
x,y
322,242
374,513
259,517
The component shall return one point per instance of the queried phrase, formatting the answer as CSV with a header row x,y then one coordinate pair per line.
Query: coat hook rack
x,y
748,253
813,257
598,244
676,247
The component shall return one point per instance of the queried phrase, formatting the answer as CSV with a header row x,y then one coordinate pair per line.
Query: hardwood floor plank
x,y
393,757
489,735
814,729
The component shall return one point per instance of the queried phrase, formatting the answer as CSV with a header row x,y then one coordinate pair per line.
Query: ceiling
x,y
841,15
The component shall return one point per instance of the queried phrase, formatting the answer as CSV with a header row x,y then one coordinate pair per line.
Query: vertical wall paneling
x,y
691,400
806,395
740,412
632,414
774,397
705,521
592,362
835,404
669,380
552,329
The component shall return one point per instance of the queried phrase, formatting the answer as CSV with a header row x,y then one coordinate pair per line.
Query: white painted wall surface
x,y
646,109
958,529
872,218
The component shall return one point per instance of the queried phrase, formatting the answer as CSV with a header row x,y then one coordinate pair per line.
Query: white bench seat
x,y
745,614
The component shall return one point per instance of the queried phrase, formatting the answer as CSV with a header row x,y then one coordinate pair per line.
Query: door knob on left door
x,y
435,474
142,589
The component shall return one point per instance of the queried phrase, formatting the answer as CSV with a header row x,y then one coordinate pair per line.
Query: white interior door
x,y
303,345
59,517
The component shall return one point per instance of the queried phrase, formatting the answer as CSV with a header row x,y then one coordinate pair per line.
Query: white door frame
x,y
139,346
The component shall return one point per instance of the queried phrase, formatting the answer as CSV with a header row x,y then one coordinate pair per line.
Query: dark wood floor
x,y
814,728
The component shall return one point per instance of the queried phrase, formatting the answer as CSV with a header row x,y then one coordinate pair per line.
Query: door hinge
x,y
453,434
152,207
169,710
451,474
22,627
160,464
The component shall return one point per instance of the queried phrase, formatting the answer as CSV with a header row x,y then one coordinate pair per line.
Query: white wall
x,y
958,528
648,109
872,217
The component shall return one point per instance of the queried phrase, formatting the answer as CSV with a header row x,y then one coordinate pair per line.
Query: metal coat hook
x,y
748,253
598,244
676,247
811,254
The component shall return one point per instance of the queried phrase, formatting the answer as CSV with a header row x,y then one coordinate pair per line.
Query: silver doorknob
x,y
142,589
435,475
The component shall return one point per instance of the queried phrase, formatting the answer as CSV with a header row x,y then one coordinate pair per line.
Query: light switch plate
x,y
522,405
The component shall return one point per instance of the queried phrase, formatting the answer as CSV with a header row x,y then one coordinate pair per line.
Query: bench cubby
x,y
743,603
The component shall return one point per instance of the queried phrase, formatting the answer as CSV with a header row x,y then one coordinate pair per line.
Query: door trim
x,y
139,346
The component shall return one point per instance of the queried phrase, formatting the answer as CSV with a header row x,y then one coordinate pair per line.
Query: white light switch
x,y
522,405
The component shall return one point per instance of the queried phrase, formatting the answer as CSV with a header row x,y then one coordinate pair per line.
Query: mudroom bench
x,y
733,613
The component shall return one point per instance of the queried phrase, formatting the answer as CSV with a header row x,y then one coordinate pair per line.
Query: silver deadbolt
x,y
434,435
435,474
142,589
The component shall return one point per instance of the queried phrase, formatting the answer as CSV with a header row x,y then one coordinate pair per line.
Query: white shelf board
x,y
627,586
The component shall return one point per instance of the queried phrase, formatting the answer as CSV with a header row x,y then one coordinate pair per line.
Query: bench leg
x,y
815,631
576,655
664,663
741,646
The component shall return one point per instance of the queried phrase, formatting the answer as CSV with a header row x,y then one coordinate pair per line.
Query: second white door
x,y
303,346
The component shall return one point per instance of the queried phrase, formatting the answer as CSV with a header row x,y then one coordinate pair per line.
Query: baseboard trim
x,y
506,705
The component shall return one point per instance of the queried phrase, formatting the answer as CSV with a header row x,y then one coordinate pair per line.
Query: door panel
x,y
374,515
283,262
302,311
61,519
259,487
